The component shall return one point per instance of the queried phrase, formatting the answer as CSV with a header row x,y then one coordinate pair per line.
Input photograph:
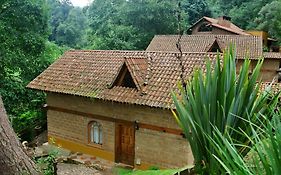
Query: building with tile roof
x,y
116,104
127,93
245,45
150,76
221,25
224,26
112,104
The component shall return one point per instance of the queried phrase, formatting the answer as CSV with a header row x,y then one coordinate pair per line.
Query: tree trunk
x,y
13,159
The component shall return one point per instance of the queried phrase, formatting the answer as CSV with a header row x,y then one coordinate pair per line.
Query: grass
x,y
121,171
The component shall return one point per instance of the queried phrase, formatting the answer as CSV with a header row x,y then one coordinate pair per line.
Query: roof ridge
x,y
204,35
237,31
211,44
172,52
148,70
135,51
93,50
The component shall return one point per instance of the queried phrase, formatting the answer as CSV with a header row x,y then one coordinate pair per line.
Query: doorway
x,y
125,143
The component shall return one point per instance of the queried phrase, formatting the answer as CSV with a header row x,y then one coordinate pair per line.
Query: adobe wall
x,y
218,31
159,148
268,69
151,147
75,128
215,30
196,28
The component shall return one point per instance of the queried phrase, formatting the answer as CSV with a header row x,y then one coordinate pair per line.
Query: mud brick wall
x,y
268,69
151,147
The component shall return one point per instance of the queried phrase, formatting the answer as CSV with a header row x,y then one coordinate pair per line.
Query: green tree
x,y
23,32
107,28
129,24
24,54
269,19
72,31
245,14
196,9
68,24
58,12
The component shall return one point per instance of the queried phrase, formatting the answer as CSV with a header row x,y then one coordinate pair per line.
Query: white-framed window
x,y
95,133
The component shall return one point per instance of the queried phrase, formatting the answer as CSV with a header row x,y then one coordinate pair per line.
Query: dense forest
x,y
33,33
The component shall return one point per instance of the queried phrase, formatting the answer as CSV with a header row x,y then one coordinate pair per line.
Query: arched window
x,y
95,133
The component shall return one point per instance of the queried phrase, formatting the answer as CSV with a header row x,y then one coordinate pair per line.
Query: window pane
x,y
96,134
92,133
100,135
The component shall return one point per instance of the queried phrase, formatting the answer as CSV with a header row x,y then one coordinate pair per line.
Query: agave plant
x,y
212,101
264,157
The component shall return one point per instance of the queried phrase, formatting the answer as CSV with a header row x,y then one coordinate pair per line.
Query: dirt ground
x,y
71,169
81,164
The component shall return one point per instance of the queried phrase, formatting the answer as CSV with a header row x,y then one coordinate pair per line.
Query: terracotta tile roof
x,y
137,68
245,45
275,87
272,55
231,28
89,74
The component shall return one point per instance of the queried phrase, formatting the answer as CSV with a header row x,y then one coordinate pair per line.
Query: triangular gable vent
x,y
124,78
215,47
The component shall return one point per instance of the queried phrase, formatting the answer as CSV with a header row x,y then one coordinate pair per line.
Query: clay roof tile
x,y
88,73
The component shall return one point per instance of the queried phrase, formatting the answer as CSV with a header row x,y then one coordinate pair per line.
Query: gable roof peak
x,y
223,23
201,43
217,45
124,77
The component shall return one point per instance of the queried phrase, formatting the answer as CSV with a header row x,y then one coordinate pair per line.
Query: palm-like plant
x,y
212,101
264,157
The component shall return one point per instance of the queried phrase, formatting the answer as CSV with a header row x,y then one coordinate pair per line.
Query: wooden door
x,y
125,143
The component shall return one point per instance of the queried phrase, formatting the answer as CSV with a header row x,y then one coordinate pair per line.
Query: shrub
x,y
264,157
220,101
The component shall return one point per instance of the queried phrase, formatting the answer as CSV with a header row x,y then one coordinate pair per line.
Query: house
x,y
116,105
246,46
222,25
268,43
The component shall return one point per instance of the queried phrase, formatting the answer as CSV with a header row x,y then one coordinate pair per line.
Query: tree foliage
x,y
269,19
251,14
24,53
130,24
196,9
68,24
72,31
58,12
245,14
